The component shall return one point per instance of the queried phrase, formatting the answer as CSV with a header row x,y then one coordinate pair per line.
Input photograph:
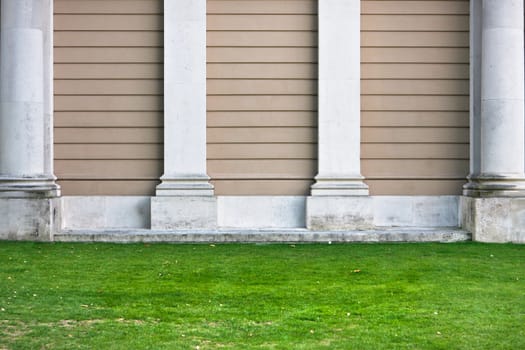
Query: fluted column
x,y
26,155
497,99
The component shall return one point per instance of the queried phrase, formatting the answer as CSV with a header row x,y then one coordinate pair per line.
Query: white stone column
x,y
497,99
339,196
185,100
28,207
339,172
494,204
26,99
185,197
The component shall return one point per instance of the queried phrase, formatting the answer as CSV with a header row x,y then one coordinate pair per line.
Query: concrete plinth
x,y
494,220
28,219
339,213
183,212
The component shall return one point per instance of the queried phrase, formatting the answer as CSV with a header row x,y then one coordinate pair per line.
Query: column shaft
x,y
339,100
497,99
25,99
185,100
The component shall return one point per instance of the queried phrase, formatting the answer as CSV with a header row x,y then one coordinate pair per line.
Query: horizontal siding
x,y
262,96
415,100
108,96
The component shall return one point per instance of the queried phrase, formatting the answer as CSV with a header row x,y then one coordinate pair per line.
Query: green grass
x,y
384,296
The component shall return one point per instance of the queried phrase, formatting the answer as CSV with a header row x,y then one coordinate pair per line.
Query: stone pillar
x,y
497,168
185,196
339,196
27,183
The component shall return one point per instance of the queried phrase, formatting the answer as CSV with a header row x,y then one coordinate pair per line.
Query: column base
x,y
329,186
494,186
339,213
29,219
495,220
185,186
28,187
183,212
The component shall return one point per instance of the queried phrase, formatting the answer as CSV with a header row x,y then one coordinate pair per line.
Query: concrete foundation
x,y
105,212
339,213
184,212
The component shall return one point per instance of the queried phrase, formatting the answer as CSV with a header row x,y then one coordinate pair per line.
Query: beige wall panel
x,y
133,22
414,103
414,135
108,103
415,118
415,168
108,151
414,151
108,96
262,118
415,55
423,7
414,71
108,6
243,7
262,96
109,119
262,187
414,39
108,87
261,87
108,71
109,187
421,187
262,38
108,55
262,135
261,22
414,22
415,90
109,39
262,54
261,151
262,103
262,168
108,135
415,87
108,169
262,70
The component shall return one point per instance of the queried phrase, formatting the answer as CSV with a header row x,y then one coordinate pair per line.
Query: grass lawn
x,y
355,296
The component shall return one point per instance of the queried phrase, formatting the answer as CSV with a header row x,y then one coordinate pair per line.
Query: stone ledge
x,y
378,235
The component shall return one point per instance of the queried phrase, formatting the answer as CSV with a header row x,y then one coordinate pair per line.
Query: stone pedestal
x,y
495,220
183,212
29,219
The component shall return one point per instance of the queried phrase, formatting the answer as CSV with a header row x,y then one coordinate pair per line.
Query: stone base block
x,y
183,212
496,220
339,213
28,219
